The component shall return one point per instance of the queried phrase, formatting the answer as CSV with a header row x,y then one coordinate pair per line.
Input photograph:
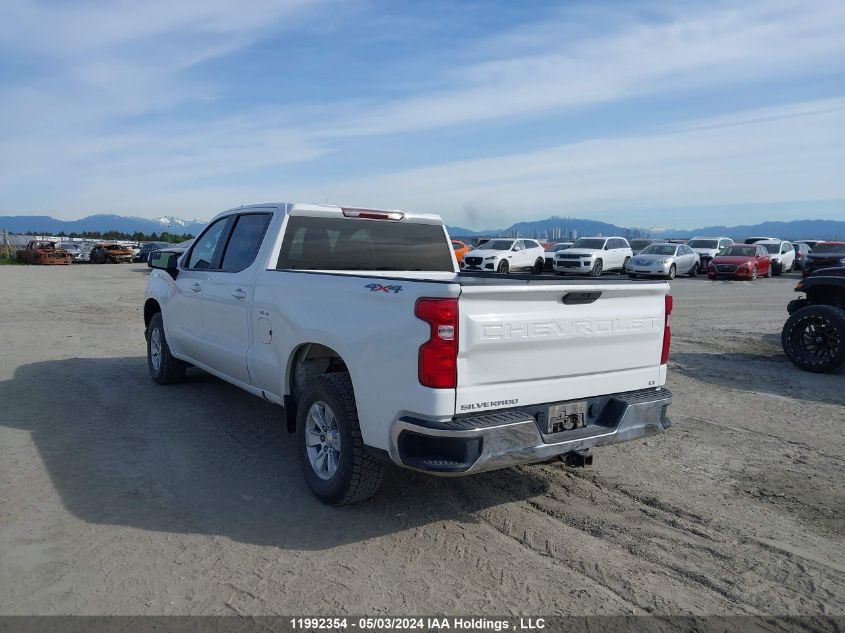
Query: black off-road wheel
x,y
503,268
164,368
331,451
814,338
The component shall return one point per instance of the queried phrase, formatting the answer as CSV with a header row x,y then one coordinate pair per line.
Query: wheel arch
x,y
307,361
151,307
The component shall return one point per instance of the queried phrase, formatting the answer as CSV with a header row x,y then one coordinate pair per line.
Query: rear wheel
x,y
597,269
538,267
814,338
694,270
777,269
331,451
503,268
768,272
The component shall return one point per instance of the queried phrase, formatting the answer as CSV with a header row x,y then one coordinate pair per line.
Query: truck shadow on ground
x,y
205,457
765,373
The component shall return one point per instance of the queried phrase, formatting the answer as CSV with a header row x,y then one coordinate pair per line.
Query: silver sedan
x,y
664,260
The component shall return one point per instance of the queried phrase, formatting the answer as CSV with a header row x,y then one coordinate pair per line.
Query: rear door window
x,y
312,243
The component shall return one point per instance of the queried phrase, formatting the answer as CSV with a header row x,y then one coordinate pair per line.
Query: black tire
x,y
597,269
538,267
625,265
693,272
170,370
358,475
796,304
503,268
777,270
814,338
768,274
673,271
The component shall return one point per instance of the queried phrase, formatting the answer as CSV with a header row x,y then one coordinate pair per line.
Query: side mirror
x,y
607,247
165,260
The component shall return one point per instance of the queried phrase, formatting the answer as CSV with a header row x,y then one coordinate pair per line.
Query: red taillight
x,y
667,331
372,214
438,358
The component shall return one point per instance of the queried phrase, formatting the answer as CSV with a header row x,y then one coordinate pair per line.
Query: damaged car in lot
x,y
43,253
111,254
813,336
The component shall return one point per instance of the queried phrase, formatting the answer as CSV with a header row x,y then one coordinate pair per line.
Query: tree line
x,y
137,236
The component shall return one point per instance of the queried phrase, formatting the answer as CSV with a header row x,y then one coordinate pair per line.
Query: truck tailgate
x,y
524,343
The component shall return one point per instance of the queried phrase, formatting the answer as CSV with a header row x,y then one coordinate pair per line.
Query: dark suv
x,y
824,255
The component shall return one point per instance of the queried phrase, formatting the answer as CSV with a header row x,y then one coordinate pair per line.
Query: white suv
x,y
505,255
782,253
594,255
708,247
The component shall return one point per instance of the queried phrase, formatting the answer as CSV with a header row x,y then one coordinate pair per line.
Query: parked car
x,y
74,249
460,249
664,260
813,337
824,255
176,249
802,249
810,243
143,253
638,245
505,255
754,240
783,255
471,379
549,255
110,254
708,247
43,253
741,261
593,256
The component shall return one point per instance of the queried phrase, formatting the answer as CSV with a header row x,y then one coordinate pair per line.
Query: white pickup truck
x,y
359,324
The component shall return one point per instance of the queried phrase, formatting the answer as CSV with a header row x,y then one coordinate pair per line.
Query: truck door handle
x,y
196,287
239,293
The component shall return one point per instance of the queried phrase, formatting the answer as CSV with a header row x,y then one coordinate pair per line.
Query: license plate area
x,y
566,416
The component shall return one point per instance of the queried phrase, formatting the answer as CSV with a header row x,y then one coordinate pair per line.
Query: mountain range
x,y
555,227
44,224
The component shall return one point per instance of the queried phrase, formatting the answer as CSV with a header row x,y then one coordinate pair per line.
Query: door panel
x,y
183,317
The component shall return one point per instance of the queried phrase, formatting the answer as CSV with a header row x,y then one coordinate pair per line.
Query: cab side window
x,y
245,241
206,251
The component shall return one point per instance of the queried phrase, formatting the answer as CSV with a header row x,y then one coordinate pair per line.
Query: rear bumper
x,y
471,444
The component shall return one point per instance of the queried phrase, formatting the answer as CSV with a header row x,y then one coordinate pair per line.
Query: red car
x,y
741,261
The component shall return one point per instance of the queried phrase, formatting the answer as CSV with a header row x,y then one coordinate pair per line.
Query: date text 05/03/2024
x,y
419,623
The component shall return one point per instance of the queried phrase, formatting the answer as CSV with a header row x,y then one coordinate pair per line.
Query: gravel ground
x,y
118,496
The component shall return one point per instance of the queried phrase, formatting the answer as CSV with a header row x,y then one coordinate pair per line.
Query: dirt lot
x,y
118,496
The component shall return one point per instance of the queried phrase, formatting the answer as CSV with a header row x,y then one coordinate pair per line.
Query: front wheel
x,y
777,269
163,367
331,451
672,272
753,273
814,338
597,269
503,268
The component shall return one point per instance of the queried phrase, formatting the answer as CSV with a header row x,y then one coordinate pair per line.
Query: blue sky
x,y
637,113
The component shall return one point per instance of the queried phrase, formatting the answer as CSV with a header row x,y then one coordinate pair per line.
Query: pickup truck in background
x,y
358,322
